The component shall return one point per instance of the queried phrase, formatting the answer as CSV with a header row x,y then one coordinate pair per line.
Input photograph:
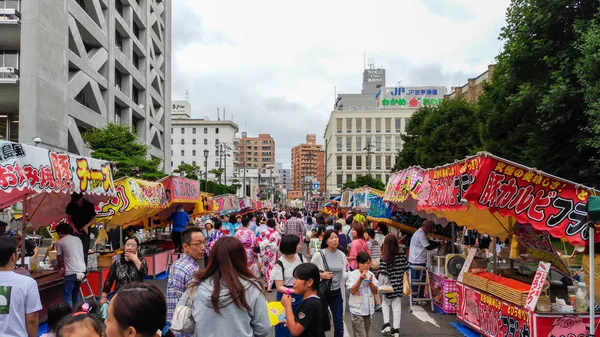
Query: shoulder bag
x,y
183,319
325,285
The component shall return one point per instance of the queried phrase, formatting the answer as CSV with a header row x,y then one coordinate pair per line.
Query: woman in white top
x,y
336,261
283,275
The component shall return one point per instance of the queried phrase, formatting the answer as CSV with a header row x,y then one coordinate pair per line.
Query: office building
x,y
255,152
190,137
308,165
257,181
67,66
365,139
474,87
285,176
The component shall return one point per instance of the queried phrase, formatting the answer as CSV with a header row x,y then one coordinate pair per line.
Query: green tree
x,y
188,171
533,112
116,143
366,180
218,172
439,135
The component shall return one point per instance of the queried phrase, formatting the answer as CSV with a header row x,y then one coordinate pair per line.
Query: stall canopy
x,y
491,194
48,178
346,200
135,201
181,192
227,203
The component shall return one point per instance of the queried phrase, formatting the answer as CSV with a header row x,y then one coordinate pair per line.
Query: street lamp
x,y
206,170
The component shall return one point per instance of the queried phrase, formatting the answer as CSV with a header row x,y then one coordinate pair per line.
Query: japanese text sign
x,y
404,185
409,97
539,245
182,190
537,286
227,203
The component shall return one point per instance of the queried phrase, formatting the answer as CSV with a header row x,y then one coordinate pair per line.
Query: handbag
x,y
183,319
325,285
407,289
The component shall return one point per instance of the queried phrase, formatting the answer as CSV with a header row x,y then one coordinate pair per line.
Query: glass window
x,y
368,125
359,162
378,162
398,143
171,141
388,143
217,130
377,125
348,162
378,143
340,181
183,131
358,125
405,124
348,143
193,152
359,146
205,131
348,177
193,130
339,144
183,142
194,163
338,123
183,152
194,141
388,125
216,163
388,162
339,162
348,125
398,124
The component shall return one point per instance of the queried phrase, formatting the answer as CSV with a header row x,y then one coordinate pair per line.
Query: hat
x,y
209,221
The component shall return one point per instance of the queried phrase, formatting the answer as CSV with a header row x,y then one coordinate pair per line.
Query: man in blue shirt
x,y
180,220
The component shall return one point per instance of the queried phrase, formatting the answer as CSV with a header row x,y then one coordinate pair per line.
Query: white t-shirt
x,y
71,249
363,302
18,296
418,253
288,269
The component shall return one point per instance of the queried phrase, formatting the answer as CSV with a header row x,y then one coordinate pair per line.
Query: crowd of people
x,y
344,266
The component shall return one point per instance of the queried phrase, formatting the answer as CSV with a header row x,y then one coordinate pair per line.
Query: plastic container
x,y
580,298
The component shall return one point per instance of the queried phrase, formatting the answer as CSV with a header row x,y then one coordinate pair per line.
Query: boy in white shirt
x,y
363,288
69,256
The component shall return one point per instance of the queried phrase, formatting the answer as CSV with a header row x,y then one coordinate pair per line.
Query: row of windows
x,y
380,144
193,163
381,162
355,125
340,178
194,141
194,131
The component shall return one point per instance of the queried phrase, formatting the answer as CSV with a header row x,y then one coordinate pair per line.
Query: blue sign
x,y
316,185
417,92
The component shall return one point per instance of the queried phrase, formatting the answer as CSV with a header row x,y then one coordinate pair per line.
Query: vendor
x,y
31,249
80,216
417,256
180,220
129,268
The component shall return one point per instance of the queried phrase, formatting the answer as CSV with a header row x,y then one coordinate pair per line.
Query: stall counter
x,y
158,262
50,285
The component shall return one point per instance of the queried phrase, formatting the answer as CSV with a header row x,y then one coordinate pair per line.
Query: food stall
x,y
508,200
227,204
44,181
136,201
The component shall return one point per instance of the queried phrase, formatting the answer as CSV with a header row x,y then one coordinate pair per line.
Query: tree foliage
x,y
217,189
116,143
533,112
439,135
366,180
188,171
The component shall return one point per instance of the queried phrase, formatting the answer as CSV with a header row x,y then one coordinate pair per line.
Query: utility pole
x,y
220,148
244,175
369,149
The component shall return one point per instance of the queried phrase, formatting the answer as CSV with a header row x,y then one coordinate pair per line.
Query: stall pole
x,y
453,238
591,289
24,221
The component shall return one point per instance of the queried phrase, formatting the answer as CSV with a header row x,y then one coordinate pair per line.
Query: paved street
x,y
419,323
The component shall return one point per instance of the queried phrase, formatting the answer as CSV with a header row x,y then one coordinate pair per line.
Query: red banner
x,y
182,190
530,197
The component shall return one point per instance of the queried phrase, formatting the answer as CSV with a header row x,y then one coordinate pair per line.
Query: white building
x,y
256,180
284,177
366,139
190,137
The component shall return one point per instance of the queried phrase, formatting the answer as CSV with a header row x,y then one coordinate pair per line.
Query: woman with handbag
x,y
333,265
224,299
392,266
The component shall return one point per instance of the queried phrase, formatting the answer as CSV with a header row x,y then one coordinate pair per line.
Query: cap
x,y
209,221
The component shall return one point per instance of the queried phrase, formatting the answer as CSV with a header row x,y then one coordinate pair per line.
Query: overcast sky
x,y
275,64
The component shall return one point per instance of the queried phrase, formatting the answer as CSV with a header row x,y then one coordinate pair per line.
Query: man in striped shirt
x,y
182,271
294,226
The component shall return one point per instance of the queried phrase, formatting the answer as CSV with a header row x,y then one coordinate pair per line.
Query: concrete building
x,y
285,176
308,165
255,152
365,139
373,80
474,87
190,137
70,65
257,181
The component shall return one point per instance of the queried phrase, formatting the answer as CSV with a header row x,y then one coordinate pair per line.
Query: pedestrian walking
x,y
212,238
361,302
138,309
332,265
316,240
226,298
69,257
393,265
128,268
294,226
269,251
179,220
359,244
375,250
283,275
311,317
250,242
182,271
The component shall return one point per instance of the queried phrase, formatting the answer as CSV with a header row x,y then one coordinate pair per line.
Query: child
x,y
315,242
55,313
363,286
393,265
80,323
312,316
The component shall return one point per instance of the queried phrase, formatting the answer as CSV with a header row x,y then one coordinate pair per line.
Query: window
x,y
136,60
388,125
171,130
405,124
339,144
388,162
118,79
217,130
216,142
194,141
348,162
205,141
377,125
216,152
171,152
348,177
398,143
217,163
118,40
183,152
340,179
135,95
348,143
378,162
194,163
183,142
339,162
183,131
388,143
358,125
193,152
368,125
205,131
171,141
348,125
378,143
398,125
136,30
194,131
338,122
359,162
359,146
117,114
118,6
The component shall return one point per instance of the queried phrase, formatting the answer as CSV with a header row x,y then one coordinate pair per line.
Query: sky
x,y
275,66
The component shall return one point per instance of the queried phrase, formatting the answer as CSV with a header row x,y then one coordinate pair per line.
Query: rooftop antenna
x,y
364,60
224,114
334,92
218,114
371,64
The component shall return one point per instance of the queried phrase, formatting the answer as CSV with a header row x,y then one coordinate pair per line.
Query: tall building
x,y
191,137
365,139
308,165
285,176
70,65
255,152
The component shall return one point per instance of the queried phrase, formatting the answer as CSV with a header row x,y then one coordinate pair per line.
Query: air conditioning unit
x,y
454,264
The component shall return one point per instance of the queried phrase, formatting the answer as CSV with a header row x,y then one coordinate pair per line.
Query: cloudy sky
x,y
275,65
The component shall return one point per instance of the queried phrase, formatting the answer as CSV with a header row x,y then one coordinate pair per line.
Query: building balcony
x,y
10,28
9,74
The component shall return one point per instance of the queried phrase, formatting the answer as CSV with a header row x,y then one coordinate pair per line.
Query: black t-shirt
x,y
310,314
81,215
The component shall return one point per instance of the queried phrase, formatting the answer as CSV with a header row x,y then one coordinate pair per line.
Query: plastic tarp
x,y
48,178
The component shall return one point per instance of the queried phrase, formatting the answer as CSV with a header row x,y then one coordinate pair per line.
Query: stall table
x,y
50,285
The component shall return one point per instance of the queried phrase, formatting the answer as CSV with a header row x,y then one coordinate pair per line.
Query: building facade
x,y
308,165
191,137
474,87
255,152
285,177
362,140
67,66
257,181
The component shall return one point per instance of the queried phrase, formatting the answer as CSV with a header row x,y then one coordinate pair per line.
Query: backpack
x,y
279,263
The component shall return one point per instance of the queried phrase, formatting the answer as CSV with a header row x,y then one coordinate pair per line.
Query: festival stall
x,y
346,200
44,181
508,200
